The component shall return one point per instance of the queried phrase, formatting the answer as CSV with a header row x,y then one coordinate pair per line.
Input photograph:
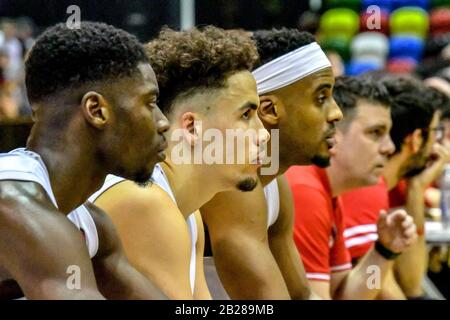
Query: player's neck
x,y
191,186
339,182
73,171
265,179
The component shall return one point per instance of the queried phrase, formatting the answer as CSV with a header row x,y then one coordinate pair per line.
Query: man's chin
x,y
143,177
372,180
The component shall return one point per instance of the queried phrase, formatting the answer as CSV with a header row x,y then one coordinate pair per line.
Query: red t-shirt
x,y
361,208
397,196
319,225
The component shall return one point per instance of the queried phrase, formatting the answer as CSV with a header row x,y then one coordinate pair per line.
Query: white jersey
x,y
25,165
273,202
159,178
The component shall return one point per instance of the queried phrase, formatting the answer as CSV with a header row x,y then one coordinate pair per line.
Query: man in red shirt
x,y
362,148
415,121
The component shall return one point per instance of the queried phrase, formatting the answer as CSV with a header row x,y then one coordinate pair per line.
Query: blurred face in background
x,y
418,161
363,145
9,30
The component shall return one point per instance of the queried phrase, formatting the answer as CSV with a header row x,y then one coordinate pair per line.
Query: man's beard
x,y
416,169
413,172
324,161
246,185
321,161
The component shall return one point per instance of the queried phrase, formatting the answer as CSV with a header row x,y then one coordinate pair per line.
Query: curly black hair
x,y
349,90
439,100
411,108
188,61
63,58
431,68
274,43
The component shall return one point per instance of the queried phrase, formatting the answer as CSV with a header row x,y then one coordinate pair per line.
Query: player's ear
x,y
191,127
269,109
96,110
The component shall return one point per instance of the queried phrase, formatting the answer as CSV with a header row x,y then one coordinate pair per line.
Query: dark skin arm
x,y
116,278
38,244
237,224
281,240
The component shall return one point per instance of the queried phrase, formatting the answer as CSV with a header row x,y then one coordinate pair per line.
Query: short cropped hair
x,y
411,108
64,58
348,91
189,61
274,43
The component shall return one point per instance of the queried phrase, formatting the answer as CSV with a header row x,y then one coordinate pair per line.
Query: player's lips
x,y
330,138
161,156
161,150
331,141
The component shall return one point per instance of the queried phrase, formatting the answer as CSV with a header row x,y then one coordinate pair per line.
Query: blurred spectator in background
x,y
309,21
16,38
13,48
25,33
8,105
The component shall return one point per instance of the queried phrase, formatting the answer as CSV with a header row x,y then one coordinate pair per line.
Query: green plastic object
x,y
340,45
339,22
411,21
439,3
354,5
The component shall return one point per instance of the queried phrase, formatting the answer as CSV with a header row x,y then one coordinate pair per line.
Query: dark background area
x,y
144,18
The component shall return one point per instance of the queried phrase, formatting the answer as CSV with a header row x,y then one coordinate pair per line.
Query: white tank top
x,y
159,178
273,202
25,165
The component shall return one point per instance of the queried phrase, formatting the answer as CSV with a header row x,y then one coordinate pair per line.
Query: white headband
x,y
290,67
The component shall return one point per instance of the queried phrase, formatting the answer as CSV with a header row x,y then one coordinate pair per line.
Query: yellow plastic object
x,y
409,21
339,22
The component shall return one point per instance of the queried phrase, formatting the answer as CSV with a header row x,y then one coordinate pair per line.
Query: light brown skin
x,y
37,241
411,266
152,227
361,151
252,261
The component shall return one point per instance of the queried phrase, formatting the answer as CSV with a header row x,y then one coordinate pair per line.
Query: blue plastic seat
x,y
385,5
406,47
355,68
424,4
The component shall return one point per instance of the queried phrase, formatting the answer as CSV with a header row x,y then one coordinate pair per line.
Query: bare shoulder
x,y
133,200
146,219
237,210
32,228
27,211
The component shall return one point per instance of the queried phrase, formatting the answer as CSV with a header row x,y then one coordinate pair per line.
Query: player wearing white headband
x,y
251,234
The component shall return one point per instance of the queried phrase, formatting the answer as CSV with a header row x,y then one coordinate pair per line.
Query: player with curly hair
x,y
253,249
93,95
206,85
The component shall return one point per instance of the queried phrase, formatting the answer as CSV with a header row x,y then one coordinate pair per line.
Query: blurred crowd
x,y
16,38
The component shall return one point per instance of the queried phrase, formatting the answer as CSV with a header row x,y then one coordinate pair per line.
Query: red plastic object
x,y
401,65
440,21
367,20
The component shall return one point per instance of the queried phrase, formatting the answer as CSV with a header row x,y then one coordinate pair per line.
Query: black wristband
x,y
385,252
